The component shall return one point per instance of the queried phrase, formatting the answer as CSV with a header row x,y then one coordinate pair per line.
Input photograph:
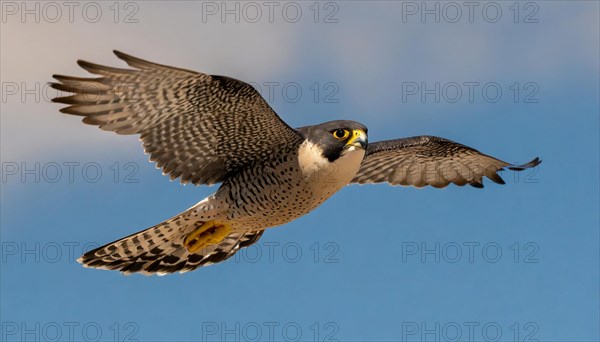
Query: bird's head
x,y
336,138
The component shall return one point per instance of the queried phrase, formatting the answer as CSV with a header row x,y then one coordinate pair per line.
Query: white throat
x,y
321,173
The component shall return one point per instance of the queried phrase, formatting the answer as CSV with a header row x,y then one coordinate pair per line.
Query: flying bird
x,y
208,129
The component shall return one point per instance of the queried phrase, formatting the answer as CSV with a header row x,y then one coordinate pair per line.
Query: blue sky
x,y
509,263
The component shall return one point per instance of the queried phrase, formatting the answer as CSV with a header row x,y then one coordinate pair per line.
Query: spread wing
x,y
196,127
427,160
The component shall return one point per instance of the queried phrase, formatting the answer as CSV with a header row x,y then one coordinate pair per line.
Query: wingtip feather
x,y
121,55
477,184
535,162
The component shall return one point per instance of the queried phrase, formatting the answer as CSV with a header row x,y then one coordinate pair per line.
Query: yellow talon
x,y
209,233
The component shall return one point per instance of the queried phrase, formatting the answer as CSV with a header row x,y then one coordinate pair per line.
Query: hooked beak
x,y
359,139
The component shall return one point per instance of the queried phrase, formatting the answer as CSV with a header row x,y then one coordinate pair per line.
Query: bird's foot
x,y
209,233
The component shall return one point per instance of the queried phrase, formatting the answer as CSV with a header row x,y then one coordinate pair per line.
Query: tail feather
x,y
159,249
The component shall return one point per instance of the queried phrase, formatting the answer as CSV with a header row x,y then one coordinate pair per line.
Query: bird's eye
x,y
341,134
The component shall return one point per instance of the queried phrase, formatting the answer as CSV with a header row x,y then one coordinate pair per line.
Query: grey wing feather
x,y
196,127
427,160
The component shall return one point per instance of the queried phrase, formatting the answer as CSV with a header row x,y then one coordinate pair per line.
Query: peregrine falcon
x,y
208,129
